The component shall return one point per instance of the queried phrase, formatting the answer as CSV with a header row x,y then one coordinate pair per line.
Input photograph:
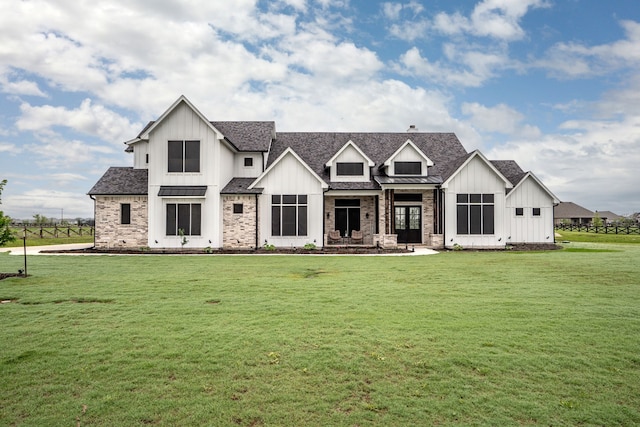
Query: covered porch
x,y
388,218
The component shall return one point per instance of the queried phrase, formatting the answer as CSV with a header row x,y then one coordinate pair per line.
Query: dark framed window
x,y
475,214
125,213
349,169
407,168
248,162
407,197
519,211
536,212
185,217
347,216
184,156
237,208
289,215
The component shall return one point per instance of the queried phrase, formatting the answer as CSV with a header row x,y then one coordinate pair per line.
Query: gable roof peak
x,y
410,143
350,143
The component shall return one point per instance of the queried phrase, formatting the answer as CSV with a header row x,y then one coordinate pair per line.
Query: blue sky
x,y
554,85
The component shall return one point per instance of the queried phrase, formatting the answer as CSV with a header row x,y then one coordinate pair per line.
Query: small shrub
x,y
457,247
269,247
310,246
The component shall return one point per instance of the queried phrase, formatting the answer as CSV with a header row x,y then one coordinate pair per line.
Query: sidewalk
x,y
35,250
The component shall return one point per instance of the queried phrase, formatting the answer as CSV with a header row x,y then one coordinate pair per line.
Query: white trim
x,y
474,154
180,100
286,152
329,162
535,178
387,162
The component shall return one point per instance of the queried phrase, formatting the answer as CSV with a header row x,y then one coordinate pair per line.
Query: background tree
x,y
597,221
40,219
6,235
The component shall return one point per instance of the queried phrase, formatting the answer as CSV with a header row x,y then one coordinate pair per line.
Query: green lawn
x,y
458,338
579,236
48,238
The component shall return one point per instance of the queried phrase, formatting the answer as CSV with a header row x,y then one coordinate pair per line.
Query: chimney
x,y
412,128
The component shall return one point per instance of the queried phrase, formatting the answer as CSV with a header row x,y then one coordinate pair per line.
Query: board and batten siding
x,y
408,154
528,228
475,177
289,176
216,169
350,155
242,171
140,152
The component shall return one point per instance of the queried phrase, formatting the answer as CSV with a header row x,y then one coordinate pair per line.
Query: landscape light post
x,y
24,245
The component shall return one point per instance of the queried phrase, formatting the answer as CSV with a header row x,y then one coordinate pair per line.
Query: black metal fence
x,y
604,229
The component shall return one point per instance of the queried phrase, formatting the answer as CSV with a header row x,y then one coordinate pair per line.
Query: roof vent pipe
x,y
412,128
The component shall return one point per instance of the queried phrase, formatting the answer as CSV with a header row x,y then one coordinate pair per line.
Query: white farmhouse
x,y
242,184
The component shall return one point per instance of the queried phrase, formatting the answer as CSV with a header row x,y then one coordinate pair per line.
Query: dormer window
x,y
407,168
349,169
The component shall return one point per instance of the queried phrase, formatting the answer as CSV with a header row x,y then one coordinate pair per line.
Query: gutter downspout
x,y
94,219
257,218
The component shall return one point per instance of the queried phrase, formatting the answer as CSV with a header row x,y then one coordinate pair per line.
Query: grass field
x,y
458,338
577,236
48,238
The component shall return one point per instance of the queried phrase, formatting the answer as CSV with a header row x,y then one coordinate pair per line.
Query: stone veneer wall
x,y
239,230
109,233
367,225
428,211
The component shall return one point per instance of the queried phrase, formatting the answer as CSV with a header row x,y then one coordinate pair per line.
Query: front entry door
x,y
408,224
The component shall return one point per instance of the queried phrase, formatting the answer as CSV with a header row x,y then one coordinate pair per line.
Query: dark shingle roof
x,y
248,136
121,181
315,148
571,210
245,136
510,169
240,186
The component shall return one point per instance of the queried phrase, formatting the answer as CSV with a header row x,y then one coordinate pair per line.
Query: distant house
x,y
242,184
571,213
608,217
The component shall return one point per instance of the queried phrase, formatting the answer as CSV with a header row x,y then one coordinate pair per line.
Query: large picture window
x,y
349,169
289,215
475,214
184,156
185,217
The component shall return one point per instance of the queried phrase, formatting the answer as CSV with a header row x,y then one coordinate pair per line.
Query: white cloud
x,y
470,68
499,19
49,203
575,60
582,163
499,119
66,178
88,118
6,147
20,87
392,10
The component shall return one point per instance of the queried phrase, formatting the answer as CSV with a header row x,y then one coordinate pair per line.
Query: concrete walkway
x,y
36,250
